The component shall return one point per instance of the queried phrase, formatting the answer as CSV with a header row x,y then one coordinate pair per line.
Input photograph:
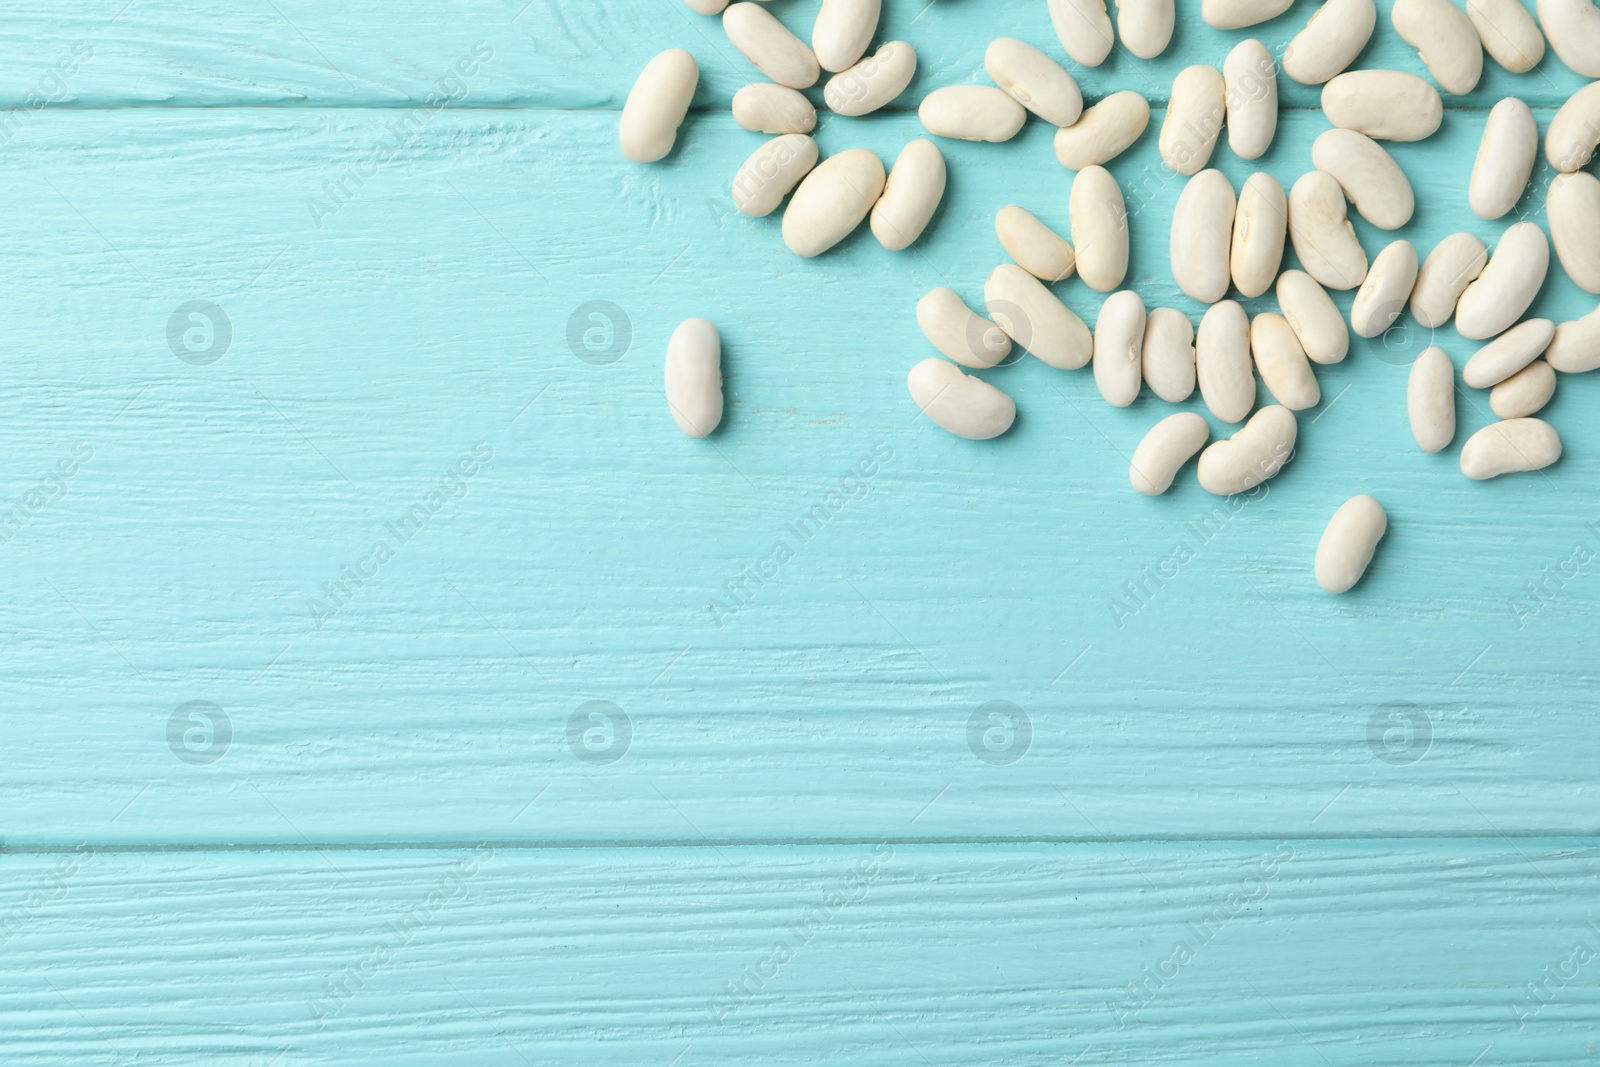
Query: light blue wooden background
x,y
390,850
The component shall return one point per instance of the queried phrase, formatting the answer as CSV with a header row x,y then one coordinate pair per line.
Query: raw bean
x,y
1099,228
1508,33
694,377
1386,105
1444,39
1145,26
1573,208
959,332
1237,14
656,106
1573,28
1384,292
842,32
971,113
1321,232
1202,234
1250,82
1257,452
1084,29
1505,160
965,406
1169,354
707,7
1316,320
1194,118
1575,349
1508,353
1508,447
1103,131
1369,176
1335,34
1170,444
873,82
1509,282
1347,545
1034,80
831,201
1119,347
1570,141
1452,266
1222,361
910,196
771,172
768,44
1282,363
1036,319
766,107
1260,225
1431,399
1037,248
1525,392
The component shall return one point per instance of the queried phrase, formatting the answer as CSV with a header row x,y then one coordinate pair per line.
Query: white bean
x,y
1525,392
831,201
910,196
1222,361
1505,159
1036,319
1575,130
1369,176
1573,208
965,406
1508,33
1333,37
1573,27
1145,26
1444,39
1321,232
771,172
1575,348
1170,444
1237,14
1385,290
1508,353
707,7
971,113
1168,354
1452,266
959,332
1084,29
1431,399
1099,228
1034,80
1250,81
1119,347
1260,226
873,82
767,107
1316,320
1103,131
1508,447
694,377
770,46
842,32
1202,235
1348,542
1507,285
1194,118
1257,452
1282,363
1037,248
657,105
1386,105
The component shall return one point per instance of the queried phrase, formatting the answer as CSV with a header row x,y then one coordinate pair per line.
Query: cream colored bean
x,y
1509,282
1505,159
1386,105
1084,29
955,401
1099,228
1103,131
1119,348
1348,542
1573,28
1385,290
1570,141
910,196
767,107
694,377
1170,444
1237,14
707,7
1250,83
1575,348
1444,39
1508,32
1369,176
1509,447
831,201
1525,392
770,46
1036,319
1222,361
771,172
1431,399
1034,80
1260,226
1508,353
959,332
1037,248
1573,208
971,113
657,105
1202,235
1168,354
1194,118
1321,232
1282,363
842,32
1452,266
873,82
1145,26
1317,322
1257,452
1333,37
